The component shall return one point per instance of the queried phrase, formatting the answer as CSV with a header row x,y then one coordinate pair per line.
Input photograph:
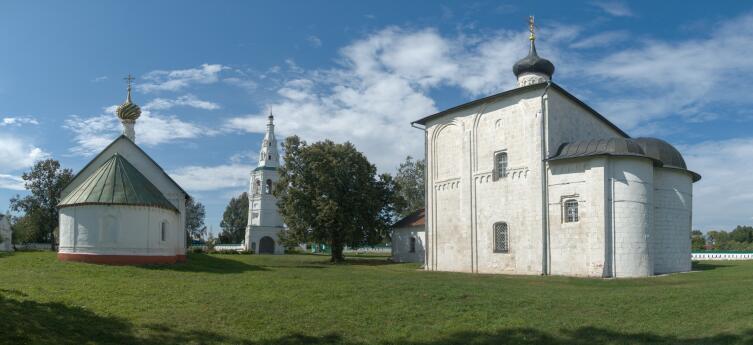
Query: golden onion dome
x,y
128,110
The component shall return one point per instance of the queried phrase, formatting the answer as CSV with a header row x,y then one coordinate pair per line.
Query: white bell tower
x,y
264,221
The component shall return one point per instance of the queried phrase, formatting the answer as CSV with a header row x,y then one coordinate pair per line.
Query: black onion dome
x,y
663,151
533,64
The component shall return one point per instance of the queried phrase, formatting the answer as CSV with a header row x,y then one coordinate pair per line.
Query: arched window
x,y
412,244
163,231
571,210
500,165
257,187
270,157
501,238
269,186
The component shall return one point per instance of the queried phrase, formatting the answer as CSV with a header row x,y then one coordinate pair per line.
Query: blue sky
x,y
361,71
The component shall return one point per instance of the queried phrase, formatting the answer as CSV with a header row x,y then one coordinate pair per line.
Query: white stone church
x,y
122,208
264,220
534,181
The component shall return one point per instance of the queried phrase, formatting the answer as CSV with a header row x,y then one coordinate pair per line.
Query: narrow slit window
x,y
501,238
163,231
571,211
412,244
500,164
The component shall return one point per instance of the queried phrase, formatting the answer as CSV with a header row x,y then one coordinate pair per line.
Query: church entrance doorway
x,y
266,245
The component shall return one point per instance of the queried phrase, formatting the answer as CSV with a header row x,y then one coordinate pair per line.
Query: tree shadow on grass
x,y
369,261
527,336
31,322
208,263
705,266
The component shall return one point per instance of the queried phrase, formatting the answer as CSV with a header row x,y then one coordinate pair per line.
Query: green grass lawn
x,y
302,299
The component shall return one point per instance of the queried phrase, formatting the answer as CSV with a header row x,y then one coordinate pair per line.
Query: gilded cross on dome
x,y
531,28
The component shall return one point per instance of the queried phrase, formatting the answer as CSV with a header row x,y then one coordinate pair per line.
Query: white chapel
x,y
122,208
264,220
534,181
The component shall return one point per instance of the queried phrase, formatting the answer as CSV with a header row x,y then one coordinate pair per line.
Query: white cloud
x,y
601,39
247,84
99,79
314,41
176,80
689,78
188,100
18,121
16,153
724,196
92,134
615,8
208,178
11,182
382,85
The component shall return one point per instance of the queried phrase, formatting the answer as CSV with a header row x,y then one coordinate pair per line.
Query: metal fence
x,y
722,255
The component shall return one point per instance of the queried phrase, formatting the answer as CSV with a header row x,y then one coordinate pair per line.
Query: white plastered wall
x,y
120,230
401,238
256,233
577,248
465,202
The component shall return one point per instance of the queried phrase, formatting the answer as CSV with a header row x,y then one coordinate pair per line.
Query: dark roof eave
x,y
265,168
521,90
118,204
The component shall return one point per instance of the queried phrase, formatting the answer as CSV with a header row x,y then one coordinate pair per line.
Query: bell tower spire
x,y
264,220
268,155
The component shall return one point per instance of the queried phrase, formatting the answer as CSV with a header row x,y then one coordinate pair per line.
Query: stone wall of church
x,y
577,248
632,188
465,200
120,230
569,122
673,194
401,239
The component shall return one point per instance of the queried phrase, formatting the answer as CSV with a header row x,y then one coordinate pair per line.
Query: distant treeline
x,y
741,238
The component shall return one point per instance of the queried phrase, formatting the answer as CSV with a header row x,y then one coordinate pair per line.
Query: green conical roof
x,y
117,182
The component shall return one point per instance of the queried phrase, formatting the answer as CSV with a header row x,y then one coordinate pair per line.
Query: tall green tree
x,y
411,186
697,240
44,182
234,220
330,193
195,214
742,234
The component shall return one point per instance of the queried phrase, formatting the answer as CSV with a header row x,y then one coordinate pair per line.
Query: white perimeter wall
x,y
120,230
